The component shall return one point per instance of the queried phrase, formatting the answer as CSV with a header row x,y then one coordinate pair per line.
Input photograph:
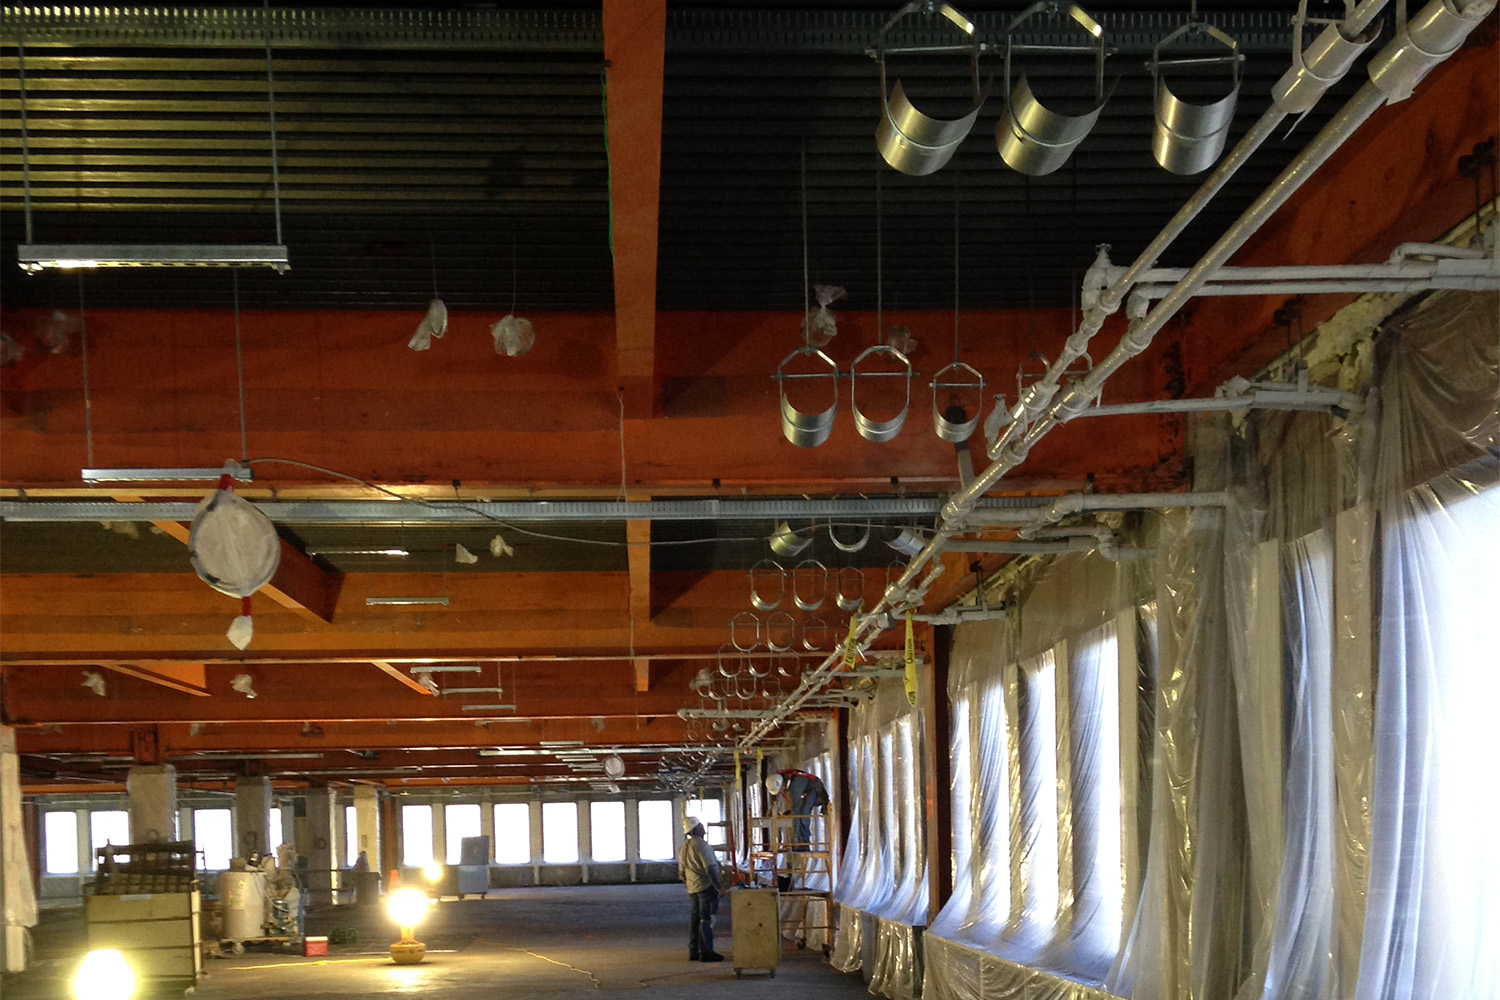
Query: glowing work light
x,y
406,907
433,872
104,975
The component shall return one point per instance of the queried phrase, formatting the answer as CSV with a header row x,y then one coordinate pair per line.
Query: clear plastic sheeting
x,y
1432,921
1040,816
883,877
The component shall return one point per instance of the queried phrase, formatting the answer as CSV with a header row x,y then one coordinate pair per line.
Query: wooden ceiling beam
x,y
395,672
635,57
264,737
188,678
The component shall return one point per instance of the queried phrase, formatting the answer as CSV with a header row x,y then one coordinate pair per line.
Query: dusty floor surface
x,y
523,943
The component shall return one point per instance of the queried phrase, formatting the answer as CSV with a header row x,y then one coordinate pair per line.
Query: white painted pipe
x,y
1013,446
1477,283
1477,264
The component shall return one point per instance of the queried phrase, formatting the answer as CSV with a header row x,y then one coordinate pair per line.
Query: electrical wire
x,y
508,525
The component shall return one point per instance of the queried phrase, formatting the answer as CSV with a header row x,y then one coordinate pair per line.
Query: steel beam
x,y
394,512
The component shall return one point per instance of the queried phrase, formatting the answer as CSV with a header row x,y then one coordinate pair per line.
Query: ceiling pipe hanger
x,y
1189,137
910,141
870,428
957,378
803,428
1032,138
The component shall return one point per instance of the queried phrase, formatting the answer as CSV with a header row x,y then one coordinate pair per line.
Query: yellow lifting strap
x,y
911,663
851,644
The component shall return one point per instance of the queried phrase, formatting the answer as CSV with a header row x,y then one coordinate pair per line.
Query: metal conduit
x,y
1010,453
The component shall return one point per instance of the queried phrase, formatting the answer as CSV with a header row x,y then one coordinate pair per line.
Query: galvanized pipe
x,y
1009,452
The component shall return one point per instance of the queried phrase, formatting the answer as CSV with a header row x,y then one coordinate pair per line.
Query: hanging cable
x,y
806,302
25,142
88,402
239,362
271,105
955,267
432,257
879,260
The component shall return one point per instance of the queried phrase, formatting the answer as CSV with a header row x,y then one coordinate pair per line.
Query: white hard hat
x,y
775,783
689,822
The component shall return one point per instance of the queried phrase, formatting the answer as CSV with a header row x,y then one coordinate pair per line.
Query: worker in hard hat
x,y
800,794
698,868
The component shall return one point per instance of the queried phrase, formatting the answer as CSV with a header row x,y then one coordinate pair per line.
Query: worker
x,y
800,794
698,868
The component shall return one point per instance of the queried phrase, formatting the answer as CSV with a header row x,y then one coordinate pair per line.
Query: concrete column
x,y
536,841
319,844
487,822
632,834
585,837
440,833
367,824
17,892
252,816
152,789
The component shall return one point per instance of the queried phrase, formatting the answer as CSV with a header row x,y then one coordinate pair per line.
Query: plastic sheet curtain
x,y
882,884
1038,813
1432,922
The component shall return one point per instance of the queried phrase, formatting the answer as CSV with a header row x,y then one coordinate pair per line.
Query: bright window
x,y
607,831
512,833
351,836
1039,864
658,841
460,820
60,835
213,835
1094,676
416,836
710,812
107,827
560,833
274,832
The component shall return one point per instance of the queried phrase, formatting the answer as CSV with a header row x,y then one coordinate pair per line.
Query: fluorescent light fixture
x,y
422,668
344,551
485,708
187,475
373,601
73,256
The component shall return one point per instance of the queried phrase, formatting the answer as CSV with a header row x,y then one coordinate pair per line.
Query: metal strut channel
x,y
408,512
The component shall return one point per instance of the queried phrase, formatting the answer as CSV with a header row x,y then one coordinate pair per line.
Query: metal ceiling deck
x,y
470,143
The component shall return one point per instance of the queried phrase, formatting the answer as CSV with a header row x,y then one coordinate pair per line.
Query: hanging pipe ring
x,y
762,575
850,588
725,660
809,598
744,631
850,547
815,634
781,631
959,378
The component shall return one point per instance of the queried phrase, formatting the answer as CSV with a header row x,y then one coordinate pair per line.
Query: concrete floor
x,y
531,943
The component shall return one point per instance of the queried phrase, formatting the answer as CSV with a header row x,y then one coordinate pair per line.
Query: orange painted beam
x,y
189,678
391,670
297,693
642,676
303,586
130,617
263,737
634,57
638,538
164,396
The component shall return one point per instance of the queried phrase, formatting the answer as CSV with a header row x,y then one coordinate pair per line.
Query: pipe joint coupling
x,y
1434,34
